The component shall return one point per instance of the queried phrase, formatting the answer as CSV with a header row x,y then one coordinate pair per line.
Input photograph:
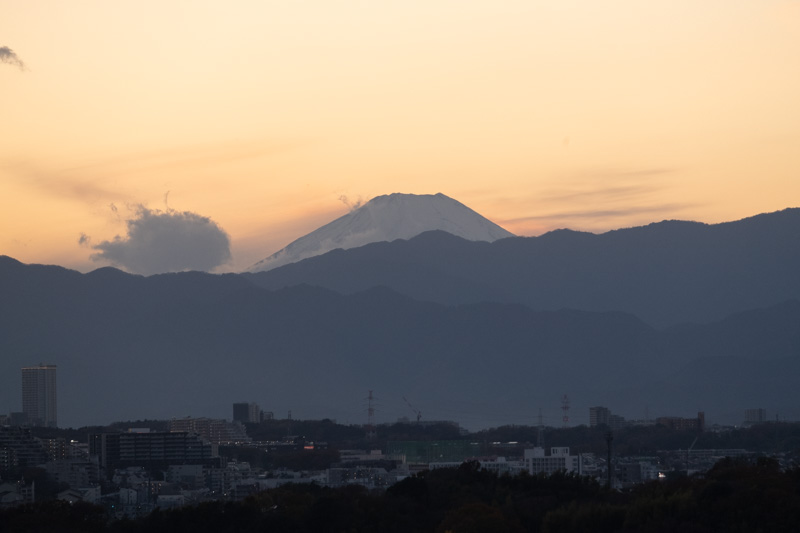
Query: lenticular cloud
x,y
166,241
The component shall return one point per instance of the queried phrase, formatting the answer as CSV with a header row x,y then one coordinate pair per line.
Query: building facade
x,y
559,460
215,431
39,395
434,451
151,449
599,416
683,424
246,413
754,416
19,448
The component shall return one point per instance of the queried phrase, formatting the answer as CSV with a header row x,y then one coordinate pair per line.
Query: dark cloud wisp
x,y
166,241
8,56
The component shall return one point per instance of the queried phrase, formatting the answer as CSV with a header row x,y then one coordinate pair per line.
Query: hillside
x,y
665,273
130,347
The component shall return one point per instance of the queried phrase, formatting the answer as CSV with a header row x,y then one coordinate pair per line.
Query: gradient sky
x,y
269,117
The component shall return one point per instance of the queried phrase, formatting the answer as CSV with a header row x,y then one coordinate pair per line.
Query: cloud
x,y
166,241
607,186
351,205
597,200
8,56
604,213
98,180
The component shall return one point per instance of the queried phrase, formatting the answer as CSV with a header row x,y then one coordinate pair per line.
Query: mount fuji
x,y
387,218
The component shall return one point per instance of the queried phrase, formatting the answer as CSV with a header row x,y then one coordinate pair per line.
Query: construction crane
x,y
688,451
416,411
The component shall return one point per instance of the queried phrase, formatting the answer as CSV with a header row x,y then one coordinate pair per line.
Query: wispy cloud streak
x,y
597,200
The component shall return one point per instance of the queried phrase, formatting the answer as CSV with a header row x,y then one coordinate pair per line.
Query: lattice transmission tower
x,y
565,409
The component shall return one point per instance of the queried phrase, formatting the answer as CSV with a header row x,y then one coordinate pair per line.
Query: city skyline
x,y
264,121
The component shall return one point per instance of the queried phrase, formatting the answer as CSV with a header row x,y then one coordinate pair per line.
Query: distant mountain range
x,y
466,322
130,347
387,218
665,273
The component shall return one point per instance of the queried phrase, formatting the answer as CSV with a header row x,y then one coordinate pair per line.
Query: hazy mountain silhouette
x,y
665,273
132,347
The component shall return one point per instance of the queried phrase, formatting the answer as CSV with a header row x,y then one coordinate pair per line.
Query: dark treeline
x,y
349,436
325,430
732,496
764,438
291,459
767,438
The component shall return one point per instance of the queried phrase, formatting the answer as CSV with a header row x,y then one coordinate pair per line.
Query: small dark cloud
x,y
84,240
166,241
8,57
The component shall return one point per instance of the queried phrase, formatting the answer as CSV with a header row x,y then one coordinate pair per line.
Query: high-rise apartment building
x,y
599,416
39,395
246,412
755,416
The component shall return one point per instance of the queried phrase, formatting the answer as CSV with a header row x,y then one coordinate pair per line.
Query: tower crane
x,y
416,411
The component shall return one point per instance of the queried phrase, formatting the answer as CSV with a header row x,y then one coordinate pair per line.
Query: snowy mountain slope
x,y
386,218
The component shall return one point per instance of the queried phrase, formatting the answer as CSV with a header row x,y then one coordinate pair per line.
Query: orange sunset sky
x,y
269,117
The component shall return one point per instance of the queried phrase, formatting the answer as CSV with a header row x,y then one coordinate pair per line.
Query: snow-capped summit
x,y
386,218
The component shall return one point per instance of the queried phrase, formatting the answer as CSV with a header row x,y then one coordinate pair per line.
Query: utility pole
x,y
371,433
609,438
540,434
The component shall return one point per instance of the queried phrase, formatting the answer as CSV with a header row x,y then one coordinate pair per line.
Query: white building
x,y
500,466
559,460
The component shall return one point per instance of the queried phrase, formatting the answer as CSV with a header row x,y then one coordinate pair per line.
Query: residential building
x,y
598,416
19,448
559,460
246,413
39,395
56,448
434,451
370,477
754,416
77,473
216,431
151,449
616,422
691,424
602,416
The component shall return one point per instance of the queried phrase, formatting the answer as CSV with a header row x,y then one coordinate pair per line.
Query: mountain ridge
x,y
665,273
198,342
